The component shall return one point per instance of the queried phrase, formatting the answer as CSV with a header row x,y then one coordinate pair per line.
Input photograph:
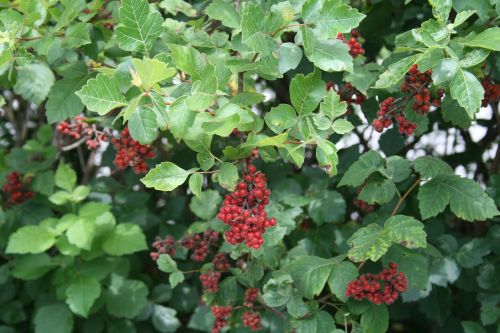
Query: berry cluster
x,y
491,92
244,210
416,84
199,244
221,262
379,288
79,127
355,47
210,281
131,153
165,246
15,189
221,314
251,319
250,297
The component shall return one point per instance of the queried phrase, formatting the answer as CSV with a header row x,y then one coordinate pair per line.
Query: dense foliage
x,y
308,166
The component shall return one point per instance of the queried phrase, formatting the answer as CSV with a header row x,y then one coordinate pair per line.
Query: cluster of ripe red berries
x,y
251,319
221,262
491,91
416,84
15,189
131,153
163,246
79,127
210,281
355,47
221,314
199,244
379,288
244,210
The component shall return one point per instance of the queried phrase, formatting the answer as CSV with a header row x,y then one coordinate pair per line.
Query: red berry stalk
x,y
250,297
199,244
378,288
491,92
78,128
416,85
165,246
131,153
210,281
15,190
244,210
251,319
355,47
221,263
221,314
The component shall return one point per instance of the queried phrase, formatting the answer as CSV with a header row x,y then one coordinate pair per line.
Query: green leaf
x,y
188,60
62,101
290,56
206,205
175,278
81,234
394,73
280,118
76,35
372,242
472,327
126,238
327,206
196,183
331,106
444,70
225,12
342,126
143,124
359,171
139,26
331,16
378,190
253,31
406,230
466,198
488,39
152,71
306,92
330,55
278,291
165,176
341,275
125,298
30,239
164,319
441,10
474,58
203,91
228,176
375,319
101,94
471,253
166,264
65,177
55,318
82,293
397,169
466,89
310,273
429,167
34,82
31,266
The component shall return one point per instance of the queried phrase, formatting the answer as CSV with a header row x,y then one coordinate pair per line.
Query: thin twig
x,y
400,202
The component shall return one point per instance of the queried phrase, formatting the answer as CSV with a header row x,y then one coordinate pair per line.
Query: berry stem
x,y
400,201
